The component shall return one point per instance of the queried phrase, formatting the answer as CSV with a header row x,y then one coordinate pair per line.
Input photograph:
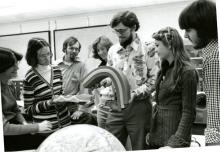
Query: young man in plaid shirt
x,y
200,24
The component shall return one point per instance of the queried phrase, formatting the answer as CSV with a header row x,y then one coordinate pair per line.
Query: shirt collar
x,y
133,46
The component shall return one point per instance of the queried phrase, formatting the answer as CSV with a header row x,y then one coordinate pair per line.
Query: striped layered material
x,y
37,95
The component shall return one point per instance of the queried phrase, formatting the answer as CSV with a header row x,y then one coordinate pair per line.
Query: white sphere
x,y
81,138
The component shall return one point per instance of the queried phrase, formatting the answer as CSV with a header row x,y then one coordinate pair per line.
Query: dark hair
x,y
127,18
8,58
70,41
201,16
172,39
104,41
34,45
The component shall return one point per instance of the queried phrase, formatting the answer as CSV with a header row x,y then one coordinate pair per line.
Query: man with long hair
x,y
200,24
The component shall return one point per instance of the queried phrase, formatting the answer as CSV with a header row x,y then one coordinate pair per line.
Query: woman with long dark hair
x,y
176,89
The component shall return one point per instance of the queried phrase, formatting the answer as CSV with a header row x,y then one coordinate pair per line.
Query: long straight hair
x,y
172,39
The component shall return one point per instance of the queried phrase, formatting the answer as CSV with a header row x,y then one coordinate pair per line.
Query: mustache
x,y
73,57
127,42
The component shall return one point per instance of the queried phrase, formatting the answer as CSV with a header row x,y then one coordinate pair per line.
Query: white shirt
x,y
44,71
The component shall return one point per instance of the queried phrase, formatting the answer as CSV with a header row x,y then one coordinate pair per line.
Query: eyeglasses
x,y
45,55
73,48
120,31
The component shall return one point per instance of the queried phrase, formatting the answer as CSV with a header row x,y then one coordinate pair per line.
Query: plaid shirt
x,y
139,63
211,79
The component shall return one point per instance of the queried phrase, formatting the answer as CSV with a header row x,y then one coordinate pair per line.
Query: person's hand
x,y
148,138
44,126
133,96
76,115
165,147
89,104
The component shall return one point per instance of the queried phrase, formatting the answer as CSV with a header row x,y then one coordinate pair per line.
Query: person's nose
x,y
74,51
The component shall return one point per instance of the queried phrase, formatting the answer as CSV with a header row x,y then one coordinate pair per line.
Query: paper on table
x,y
81,98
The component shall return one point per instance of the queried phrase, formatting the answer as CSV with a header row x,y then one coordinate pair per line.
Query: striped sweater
x,y
37,95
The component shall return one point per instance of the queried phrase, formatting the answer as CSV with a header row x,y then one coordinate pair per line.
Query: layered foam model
x,y
119,81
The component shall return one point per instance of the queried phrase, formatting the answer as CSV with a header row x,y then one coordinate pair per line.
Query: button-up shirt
x,y
211,79
72,73
138,63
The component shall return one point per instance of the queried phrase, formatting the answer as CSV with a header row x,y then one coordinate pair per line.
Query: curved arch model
x,y
119,80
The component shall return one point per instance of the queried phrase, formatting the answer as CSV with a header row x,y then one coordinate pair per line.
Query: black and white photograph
x,y
109,76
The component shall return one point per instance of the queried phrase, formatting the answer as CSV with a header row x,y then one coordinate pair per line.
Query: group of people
x,y
160,72
44,86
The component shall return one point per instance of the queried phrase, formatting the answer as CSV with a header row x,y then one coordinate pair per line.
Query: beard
x,y
126,42
73,57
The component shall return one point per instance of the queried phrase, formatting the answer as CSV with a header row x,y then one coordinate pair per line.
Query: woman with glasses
x,y
176,89
17,131
42,86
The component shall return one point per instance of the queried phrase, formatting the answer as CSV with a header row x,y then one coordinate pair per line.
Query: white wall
x,y
151,18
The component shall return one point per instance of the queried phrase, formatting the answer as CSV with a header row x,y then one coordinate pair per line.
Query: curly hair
x,y
103,41
127,18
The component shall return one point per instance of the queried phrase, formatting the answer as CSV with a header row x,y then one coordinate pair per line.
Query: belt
x,y
114,106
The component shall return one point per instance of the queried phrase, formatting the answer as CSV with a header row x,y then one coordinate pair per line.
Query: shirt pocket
x,y
75,77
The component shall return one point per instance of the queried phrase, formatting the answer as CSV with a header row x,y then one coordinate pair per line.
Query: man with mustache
x,y
130,56
73,71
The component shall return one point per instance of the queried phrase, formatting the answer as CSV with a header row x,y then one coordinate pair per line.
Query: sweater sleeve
x,y
18,129
212,89
189,90
19,116
30,104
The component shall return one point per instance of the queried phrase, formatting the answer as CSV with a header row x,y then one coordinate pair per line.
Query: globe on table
x,y
81,138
